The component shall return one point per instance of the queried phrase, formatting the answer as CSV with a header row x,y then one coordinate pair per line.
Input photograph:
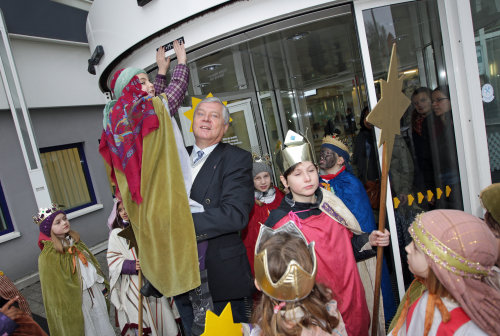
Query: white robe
x,y
157,313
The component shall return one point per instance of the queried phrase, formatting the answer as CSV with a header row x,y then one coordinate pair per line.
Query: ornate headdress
x,y
442,254
295,149
461,251
296,283
336,145
45,217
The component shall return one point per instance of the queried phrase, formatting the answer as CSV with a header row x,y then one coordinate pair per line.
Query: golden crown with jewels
x,y
43,213
296,283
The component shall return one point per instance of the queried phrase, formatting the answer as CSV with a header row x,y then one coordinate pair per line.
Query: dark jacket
x,y
224,187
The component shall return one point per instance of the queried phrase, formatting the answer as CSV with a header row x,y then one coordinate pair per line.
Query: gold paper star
x,y
223,324
194,102
387,114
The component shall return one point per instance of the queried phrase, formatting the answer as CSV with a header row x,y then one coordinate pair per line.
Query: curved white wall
x,y
117,33
53,73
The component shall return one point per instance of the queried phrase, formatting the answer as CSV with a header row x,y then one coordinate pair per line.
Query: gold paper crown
x,y
44,213
337,142
296,283
295,149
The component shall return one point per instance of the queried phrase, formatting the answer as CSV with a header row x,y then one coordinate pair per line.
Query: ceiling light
x,y
410,72
211,67
298,36
310,93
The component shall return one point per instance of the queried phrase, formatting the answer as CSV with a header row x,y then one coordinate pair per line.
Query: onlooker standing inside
x,y
422,123
445,158
222,183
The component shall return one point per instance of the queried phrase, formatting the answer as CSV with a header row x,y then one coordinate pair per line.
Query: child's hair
x,y
492,224
59,244
291,169
118,222
434,286
281,249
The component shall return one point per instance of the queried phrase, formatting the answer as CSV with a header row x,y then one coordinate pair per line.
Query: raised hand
x,y
162,62
180,51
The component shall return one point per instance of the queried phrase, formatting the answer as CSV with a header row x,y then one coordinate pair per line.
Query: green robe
x,y
62,289
162,223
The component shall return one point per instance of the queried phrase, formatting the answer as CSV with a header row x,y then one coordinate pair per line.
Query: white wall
x,y
116,33
53,73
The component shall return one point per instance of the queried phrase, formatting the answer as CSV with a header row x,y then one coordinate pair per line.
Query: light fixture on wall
x,y
211,67
95,59
142,2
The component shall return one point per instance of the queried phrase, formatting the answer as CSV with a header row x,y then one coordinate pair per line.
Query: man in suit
x,y
222,184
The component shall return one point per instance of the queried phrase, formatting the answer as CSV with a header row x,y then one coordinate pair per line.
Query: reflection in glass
x,y
486,21
424,172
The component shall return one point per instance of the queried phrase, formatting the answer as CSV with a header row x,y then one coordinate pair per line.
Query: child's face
x,y
303,181
60,226
122,213
147,86
416,261
262,181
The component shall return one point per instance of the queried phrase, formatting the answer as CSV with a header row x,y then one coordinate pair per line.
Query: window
x,y
67,175
486,20
5,221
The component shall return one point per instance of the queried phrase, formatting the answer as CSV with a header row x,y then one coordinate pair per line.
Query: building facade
x,y
50,124
313,66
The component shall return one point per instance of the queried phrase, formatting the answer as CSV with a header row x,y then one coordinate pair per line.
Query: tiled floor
x,y
33,294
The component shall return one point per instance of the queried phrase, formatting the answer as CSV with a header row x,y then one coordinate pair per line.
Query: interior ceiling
x,y
318,54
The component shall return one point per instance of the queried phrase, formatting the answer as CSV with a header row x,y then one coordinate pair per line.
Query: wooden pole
x,y
140,304
380,249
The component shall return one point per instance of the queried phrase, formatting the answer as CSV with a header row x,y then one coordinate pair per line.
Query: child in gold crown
x,y
341,246
297,305
71,279
453,254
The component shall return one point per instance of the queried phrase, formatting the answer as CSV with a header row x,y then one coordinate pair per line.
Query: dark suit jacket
x,y
224,187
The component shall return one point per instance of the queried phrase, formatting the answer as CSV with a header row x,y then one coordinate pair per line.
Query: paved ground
x,y
33,295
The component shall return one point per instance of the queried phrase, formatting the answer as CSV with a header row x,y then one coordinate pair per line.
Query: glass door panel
x,y
311,73
424,172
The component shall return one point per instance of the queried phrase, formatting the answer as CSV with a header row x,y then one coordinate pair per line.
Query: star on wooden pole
x,y
194,102
386,115
393,103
